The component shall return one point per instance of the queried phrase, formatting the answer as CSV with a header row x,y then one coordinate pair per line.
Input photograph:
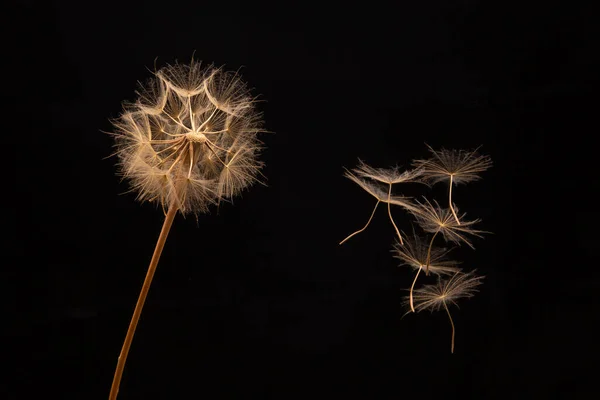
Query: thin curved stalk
x,y
450,201
429,253
451,323
162,238
390,214
412,307
364,227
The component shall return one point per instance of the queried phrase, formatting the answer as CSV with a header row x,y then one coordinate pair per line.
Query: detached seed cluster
x,y
417,250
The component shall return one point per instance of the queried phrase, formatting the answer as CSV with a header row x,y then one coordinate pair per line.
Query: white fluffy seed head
x,y
190,139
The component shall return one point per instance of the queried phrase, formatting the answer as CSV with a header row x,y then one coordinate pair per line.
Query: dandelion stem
x,y
364,227
390,213
162,238
412,307
450,201
429,253
453,330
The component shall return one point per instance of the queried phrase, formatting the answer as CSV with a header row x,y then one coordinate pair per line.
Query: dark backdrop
x,y
259,300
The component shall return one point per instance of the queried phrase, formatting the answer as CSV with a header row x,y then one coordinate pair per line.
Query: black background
x,y
259,300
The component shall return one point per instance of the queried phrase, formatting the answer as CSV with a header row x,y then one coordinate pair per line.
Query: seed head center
x,y
196,137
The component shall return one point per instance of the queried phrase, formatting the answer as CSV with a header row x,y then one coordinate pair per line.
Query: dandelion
x,y
188,142
415,253
382,178
434,297
191,138
457,166
434,219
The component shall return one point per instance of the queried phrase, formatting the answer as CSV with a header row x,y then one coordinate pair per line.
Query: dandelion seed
x,y
444,293
456,166
434,219
415,253
363,172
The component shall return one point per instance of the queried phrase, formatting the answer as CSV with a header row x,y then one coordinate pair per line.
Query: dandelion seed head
x,y
190,139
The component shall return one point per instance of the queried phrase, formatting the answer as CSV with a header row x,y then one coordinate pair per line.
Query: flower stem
x,y
364,227
428,260
412,306
450,202
162,238
451,323
390,214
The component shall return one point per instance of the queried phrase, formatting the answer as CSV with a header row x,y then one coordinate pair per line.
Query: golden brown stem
x,y
450,201
451,323
162,238
364,227
429,254
412,307
390,214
